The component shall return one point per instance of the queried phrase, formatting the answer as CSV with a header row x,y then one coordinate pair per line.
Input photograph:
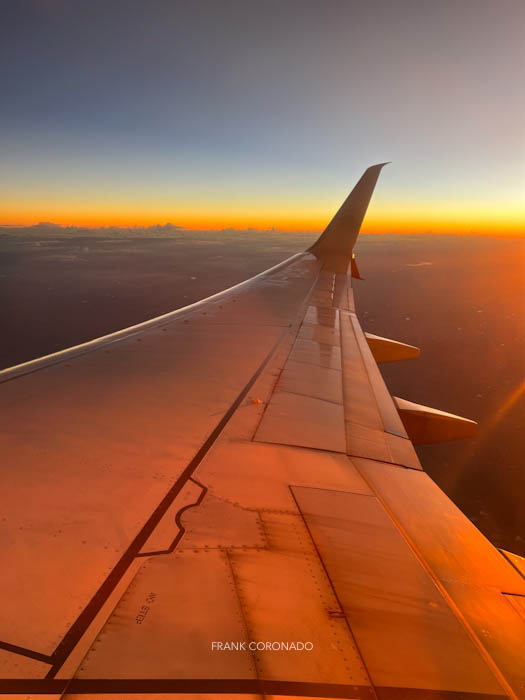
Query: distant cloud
x,y
45,229
419,264
49,230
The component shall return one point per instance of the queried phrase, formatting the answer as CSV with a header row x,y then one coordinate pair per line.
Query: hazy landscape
x,y
459,298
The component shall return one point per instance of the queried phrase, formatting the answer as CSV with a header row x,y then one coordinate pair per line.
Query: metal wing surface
x,y
226,501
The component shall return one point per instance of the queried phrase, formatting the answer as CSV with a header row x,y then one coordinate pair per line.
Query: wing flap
x,y
383,589
452,546
373,426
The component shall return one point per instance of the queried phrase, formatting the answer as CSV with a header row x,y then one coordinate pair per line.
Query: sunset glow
x,y
140,118
473,219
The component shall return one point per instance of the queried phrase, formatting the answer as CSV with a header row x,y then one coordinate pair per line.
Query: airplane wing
x,y
226,501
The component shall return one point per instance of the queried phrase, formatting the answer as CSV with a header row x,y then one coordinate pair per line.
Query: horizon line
x,y
176,227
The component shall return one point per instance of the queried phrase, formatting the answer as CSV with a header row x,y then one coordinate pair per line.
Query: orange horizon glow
x,y
280,221
373,226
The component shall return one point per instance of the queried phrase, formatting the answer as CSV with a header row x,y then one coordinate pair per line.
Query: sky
x,y
263,113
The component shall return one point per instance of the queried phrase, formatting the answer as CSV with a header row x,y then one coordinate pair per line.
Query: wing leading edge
x,y
217,488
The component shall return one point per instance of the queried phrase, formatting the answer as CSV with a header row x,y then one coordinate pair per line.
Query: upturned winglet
x,y
338,239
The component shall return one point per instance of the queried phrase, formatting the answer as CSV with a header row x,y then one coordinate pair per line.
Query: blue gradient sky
x,y
229,113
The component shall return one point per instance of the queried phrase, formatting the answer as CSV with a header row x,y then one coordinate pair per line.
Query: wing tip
x,y
339,237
